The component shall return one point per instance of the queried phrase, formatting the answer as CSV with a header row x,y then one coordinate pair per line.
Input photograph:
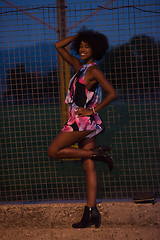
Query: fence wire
x,y
30,100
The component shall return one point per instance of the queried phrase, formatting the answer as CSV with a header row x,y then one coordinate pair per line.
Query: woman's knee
x,y
52,152
88,165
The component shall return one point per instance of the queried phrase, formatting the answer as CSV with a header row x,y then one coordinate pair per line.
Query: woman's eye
x,y
84,46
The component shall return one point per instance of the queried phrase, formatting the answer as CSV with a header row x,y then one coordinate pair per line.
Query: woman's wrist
x,y
93,110
66,41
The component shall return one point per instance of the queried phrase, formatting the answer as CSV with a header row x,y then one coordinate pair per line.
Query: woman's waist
x,y
73,105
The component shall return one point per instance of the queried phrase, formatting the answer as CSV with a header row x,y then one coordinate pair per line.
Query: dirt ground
x,y
52,221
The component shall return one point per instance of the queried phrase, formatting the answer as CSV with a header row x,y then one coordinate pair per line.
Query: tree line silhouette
x,y
24,87
132,68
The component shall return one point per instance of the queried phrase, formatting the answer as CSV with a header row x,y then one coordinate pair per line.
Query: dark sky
x,y
121,24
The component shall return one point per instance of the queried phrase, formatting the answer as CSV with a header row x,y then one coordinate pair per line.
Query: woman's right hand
x,y
81,112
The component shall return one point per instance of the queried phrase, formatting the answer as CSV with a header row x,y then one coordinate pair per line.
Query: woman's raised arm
x,y
61,48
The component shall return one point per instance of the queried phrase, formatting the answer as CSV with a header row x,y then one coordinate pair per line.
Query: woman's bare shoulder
x,y
94,70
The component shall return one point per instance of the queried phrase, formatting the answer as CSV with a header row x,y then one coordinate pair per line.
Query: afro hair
x,y
97,41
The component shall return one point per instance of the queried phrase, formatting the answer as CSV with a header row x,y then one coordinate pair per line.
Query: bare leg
x,y
60,146
91,216
90,172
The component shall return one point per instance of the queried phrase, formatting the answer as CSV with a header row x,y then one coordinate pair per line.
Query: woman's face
x,y
85,52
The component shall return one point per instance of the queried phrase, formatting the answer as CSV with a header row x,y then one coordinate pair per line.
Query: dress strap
x,y
89,65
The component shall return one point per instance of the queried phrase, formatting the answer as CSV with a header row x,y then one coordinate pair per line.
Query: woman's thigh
x,y
88,143
67,139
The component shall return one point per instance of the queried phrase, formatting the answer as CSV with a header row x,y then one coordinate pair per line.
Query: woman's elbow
x,y
56,45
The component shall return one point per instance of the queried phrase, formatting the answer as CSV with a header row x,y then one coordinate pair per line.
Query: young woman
x,y
84,99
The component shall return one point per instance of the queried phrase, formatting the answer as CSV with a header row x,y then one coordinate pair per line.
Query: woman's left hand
x,y
81,112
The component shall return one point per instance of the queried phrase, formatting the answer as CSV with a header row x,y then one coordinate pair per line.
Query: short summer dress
x,y
79,96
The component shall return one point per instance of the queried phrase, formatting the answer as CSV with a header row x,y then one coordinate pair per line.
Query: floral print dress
x,y
79,96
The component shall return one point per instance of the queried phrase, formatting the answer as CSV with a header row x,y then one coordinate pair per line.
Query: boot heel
x,y
95,217
100,154
96,222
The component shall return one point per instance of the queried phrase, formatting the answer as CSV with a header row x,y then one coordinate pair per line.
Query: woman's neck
x,y
91,60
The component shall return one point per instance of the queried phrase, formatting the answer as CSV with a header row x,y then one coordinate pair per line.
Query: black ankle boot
x,y
101,154
91,216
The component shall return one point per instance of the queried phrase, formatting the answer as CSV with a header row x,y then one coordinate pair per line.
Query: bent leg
x,y
60,146
90,173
